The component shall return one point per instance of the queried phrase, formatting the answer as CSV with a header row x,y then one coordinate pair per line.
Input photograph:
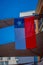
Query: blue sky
x,y
12,9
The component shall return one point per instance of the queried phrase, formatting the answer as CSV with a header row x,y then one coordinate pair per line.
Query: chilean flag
x,y
24,33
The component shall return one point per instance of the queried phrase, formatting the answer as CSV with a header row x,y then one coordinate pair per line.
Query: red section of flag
x,y
30,33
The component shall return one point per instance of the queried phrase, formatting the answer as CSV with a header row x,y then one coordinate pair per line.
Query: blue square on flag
x,y
19,33
19,22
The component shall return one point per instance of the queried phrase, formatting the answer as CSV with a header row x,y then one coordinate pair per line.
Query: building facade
x,y
39,22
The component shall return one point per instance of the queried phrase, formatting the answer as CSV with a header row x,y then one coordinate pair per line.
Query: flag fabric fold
x,y
30,36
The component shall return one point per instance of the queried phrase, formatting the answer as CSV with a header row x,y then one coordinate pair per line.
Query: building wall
x,y
39,11
7,35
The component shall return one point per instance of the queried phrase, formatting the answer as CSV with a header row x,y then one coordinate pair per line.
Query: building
x,y
9,49
29,13
39,10
39,22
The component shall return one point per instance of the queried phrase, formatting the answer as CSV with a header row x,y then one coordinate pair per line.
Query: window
x,y
0,58
6,62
